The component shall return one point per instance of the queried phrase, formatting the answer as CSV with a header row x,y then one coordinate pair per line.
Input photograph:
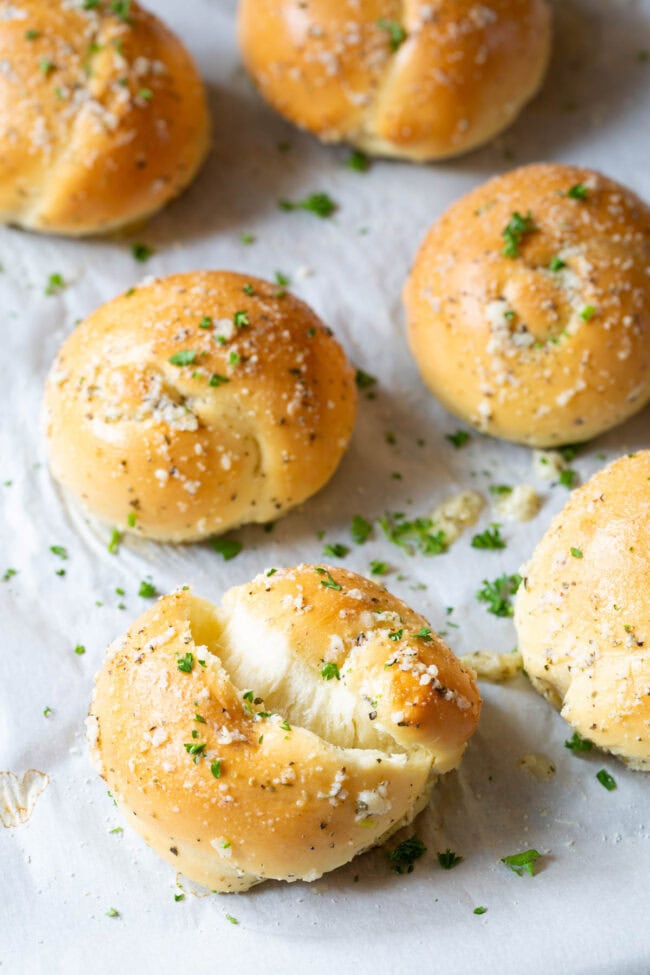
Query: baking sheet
x,y
586,911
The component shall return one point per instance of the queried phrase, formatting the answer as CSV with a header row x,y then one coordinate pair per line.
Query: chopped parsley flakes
x,y
522,863
328,582
183,358
515,230
142,252
458,439
497,594
395,31
578,744
578,192
147,589
358,161
336,550
403,857
361,529
448,859
606,780
185,663
413,536
229,548
490,538
568,478
330,671
363,379
320,204
55,284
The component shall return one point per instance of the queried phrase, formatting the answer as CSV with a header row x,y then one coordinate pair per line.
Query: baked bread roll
x,y
278,736
195,403
583,611
414,80
103,116
528,306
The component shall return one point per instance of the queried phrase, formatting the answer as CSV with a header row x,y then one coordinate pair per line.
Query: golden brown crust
x,y
583,610
550,346
254,422
103,116
247,763
398,77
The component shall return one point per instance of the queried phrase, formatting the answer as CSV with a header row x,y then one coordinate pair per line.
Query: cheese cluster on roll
x,y
583,611
276,737
415,80
528,305
196,403
103,116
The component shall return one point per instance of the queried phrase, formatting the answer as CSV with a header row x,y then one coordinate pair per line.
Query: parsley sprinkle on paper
x,y
142,252
403,857
361,529
147,589
229,548
55,284
606,780
578,744
448,859
358,161
114,541
568,478
379,568
320,204
489,539
413,536
363,379
497,594
522,863
458,439
336,550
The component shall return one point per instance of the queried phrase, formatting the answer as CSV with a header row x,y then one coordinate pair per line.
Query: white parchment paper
x,y
588,908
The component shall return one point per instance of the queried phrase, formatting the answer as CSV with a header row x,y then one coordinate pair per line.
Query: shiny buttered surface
x,y
103,116
416,80
279,735
196,403
583,611
528,305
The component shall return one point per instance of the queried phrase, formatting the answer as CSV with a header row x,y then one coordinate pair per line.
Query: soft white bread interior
x,y
528,305
278,736
195,403
583,611
410,79
103,116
